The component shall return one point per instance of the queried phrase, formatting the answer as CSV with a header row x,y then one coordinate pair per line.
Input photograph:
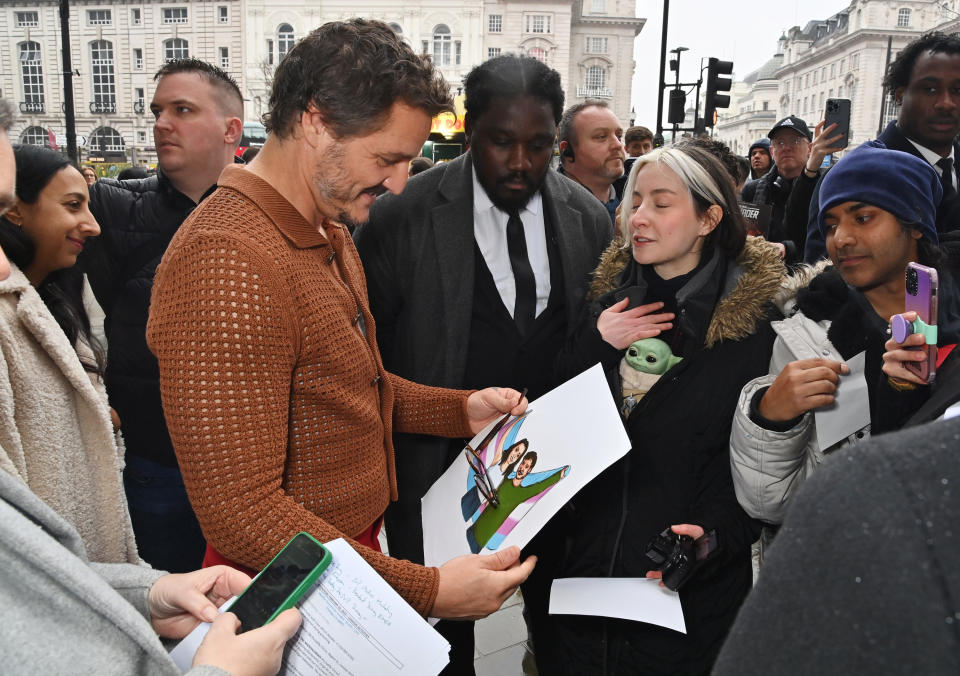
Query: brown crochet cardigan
x,y
279,408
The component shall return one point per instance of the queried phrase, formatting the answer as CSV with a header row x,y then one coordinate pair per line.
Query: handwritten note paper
x,y
354,624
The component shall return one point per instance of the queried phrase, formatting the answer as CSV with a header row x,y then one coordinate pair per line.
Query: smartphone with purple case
x,y
921,297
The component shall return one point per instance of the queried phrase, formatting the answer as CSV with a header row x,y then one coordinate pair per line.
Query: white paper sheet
x,y
576,432
354,624
627,598
851,409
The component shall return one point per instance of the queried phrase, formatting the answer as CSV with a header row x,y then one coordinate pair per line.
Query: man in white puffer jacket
x,y
877,214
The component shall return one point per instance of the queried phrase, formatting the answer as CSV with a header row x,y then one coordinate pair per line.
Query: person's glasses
x,y
475,459
788,143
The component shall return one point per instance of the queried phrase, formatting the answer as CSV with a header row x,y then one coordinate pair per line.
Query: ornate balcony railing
x,y
34,107
103,107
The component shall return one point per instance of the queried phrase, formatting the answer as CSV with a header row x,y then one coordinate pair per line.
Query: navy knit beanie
x,y
760,143
906,186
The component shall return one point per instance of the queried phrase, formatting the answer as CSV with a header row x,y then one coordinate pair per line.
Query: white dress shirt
x,y
933,158
490,231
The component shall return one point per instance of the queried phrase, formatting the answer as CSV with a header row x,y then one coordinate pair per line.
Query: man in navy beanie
x,y
877,214
759,156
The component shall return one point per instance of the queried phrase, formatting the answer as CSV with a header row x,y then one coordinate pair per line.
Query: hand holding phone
x,y
920,296
838,113
282,582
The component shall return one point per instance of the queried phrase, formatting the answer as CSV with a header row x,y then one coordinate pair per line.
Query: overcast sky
x,y
741,31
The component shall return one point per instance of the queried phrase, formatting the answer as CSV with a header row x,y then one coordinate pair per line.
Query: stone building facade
x,y
117,46
844,56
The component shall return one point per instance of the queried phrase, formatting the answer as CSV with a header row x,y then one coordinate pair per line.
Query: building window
x,y
823,74
104,86
138,59
270,52
833,70
807,80
135,16
855,62
599,6
224,58
766,105
139,101
538,23
99,17
28,19
141,137
106,140
456,52
814,77
441,45
493,52
843,66
285,40
840,92
596,45
596,77
31,73
175,48
903,18
223,14
495,23
35,136
174,15
538,53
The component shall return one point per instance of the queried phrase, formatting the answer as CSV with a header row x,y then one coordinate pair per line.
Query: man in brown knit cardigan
x,y
275,395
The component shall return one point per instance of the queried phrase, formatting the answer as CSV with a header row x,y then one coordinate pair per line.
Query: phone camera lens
x,y
912,282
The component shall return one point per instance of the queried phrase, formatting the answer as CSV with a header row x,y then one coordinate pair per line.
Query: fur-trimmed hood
x,y
751,285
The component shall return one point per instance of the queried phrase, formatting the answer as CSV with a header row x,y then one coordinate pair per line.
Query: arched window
x,y
175,48
903,18
596,77
441,45
104,84
106,140
31,73
35,136
285,39
538,53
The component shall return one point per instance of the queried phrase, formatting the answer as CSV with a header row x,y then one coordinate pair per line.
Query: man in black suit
x,y
925,79
475,275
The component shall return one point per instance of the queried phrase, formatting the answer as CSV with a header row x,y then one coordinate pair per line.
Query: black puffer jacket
x,y
678,470
137,218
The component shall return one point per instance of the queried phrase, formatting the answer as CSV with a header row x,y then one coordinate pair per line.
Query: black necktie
x,y
525,308
946,175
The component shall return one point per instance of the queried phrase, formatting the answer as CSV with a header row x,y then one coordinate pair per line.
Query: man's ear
x,y
313,127
234,131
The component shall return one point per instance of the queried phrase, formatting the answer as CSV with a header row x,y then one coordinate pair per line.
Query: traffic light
x,y
678,103
716,85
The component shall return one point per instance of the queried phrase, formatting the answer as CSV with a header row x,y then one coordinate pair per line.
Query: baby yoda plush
x,y
642,365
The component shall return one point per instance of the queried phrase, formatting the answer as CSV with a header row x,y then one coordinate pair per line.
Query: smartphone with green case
x,y
282,582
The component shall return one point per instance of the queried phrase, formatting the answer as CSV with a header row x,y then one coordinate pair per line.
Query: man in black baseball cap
x,y
787,186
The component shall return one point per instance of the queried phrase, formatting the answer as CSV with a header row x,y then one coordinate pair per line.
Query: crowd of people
x,y
301,342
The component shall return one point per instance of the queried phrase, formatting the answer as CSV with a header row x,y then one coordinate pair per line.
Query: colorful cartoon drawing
x,y
516,494
503,451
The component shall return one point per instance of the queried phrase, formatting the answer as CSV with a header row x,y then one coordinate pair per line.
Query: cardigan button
x,y
333,254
